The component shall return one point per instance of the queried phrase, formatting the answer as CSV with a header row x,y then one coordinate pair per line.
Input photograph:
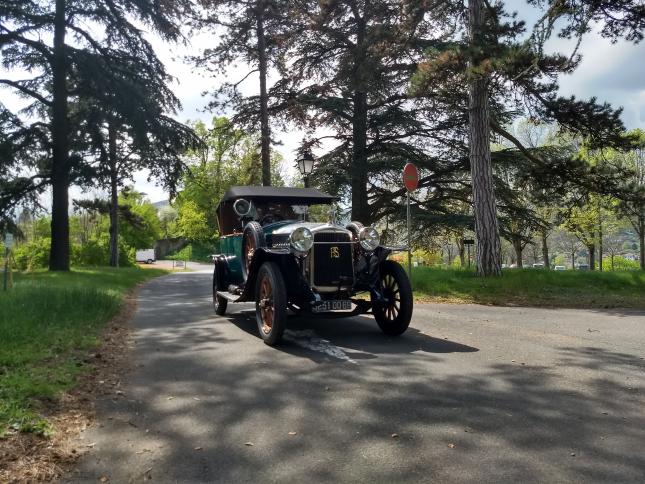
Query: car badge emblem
x,y
334,252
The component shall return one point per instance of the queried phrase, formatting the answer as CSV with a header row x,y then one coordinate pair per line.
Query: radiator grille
x,y
332,264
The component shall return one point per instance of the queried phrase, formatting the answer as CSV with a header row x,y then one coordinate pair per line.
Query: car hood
x,y
286,228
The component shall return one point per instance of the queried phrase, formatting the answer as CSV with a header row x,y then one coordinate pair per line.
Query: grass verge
x,y
47,322
533,287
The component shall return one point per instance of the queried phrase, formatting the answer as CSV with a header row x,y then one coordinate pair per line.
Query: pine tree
x,y
252,33
74,46
507,75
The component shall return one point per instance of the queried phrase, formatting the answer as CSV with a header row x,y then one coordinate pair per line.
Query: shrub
x,y
96,252
620,264
32,255
193,252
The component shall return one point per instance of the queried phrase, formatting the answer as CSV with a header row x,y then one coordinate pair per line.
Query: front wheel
x,y
219,302
270,303
393,316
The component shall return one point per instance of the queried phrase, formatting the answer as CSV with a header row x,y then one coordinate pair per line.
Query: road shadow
x,y
198,409
359,337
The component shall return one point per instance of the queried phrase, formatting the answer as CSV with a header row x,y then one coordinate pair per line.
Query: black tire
x,y
252,239
270,303
394,317
219,303
149,261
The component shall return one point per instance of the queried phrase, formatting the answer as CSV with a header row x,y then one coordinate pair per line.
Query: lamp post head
x,y
306,164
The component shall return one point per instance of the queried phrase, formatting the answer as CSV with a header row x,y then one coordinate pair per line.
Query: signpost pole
x,y
409,241
411,182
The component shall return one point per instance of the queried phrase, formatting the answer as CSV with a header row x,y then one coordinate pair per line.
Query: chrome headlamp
x,y
301,240
369,238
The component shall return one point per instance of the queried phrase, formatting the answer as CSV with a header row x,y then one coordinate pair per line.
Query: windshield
x,y
271,212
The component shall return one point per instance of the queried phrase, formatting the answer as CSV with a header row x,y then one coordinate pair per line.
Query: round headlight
x,y
301,239
369,238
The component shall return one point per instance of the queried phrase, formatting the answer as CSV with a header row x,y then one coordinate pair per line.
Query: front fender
x,y
283,257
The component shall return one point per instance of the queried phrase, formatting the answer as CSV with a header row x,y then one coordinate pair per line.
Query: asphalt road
x,y
469,393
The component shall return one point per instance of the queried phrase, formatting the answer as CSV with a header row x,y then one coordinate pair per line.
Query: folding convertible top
x,y
286,194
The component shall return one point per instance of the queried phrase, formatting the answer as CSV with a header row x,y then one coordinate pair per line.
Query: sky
x,y
614,73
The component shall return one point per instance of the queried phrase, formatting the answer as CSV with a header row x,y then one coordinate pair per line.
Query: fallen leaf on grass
x,y
195,398
293,433
451,446
91,445
395,436
198,448
104,478
170,398
143,451
250,444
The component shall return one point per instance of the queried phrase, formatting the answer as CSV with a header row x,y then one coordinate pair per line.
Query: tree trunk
x,y
59,251
462,252
265,134
612,262
573,259
517,246
592,256
485,210
114,197
641,240
600,247
360,209
359,175
545,249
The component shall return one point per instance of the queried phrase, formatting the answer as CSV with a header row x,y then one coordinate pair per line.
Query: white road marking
x,y
308,339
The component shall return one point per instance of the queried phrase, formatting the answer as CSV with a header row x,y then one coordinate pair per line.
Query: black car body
x,y
272,255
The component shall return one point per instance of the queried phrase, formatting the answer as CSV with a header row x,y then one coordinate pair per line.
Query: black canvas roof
x,y
287,194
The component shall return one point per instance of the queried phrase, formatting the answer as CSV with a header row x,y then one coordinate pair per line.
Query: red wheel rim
x,y
266,305
392,293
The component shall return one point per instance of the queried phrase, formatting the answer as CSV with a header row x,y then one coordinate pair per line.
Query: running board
x,y
229,296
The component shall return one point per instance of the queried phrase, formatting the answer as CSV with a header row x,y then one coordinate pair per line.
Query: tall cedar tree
x,y
346,69
24,40
250,32
507,75
125,125
23,156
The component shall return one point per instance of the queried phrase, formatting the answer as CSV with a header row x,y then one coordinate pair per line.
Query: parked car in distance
x,y
538,266
583,267
559,268
147,256
272,255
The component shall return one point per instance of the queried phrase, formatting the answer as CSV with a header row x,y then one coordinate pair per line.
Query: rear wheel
x,y
219,302
393,316
270,303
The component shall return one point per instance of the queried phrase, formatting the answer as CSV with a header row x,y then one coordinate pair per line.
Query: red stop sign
x,y
410,177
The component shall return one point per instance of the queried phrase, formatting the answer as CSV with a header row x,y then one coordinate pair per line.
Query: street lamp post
x,y
306,166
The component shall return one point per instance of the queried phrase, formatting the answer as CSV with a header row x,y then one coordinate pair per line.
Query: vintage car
x,y
272,254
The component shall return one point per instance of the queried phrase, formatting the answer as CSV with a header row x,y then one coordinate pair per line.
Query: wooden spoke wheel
x,y
394,314
219,302
270,303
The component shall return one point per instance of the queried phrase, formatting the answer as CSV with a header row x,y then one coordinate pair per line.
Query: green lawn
x,y
46,321
533,287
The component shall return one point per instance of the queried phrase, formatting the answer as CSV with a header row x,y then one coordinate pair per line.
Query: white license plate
x,y
342,305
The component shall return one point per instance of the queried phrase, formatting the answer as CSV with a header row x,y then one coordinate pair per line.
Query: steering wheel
x,y
270,218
